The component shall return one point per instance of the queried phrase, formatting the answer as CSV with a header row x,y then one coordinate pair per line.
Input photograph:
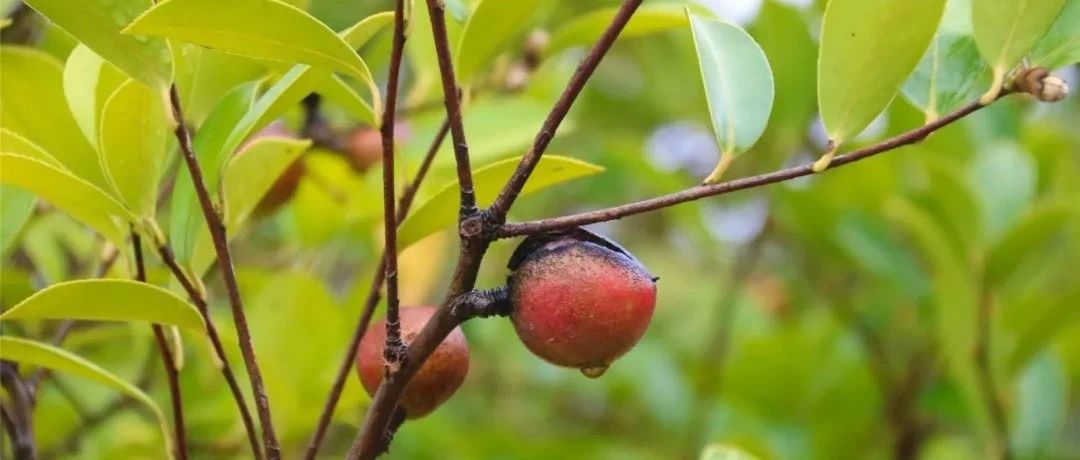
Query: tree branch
x,y
702,191
585,70
452,98
224,258
197,297
404,203
19,417
171,373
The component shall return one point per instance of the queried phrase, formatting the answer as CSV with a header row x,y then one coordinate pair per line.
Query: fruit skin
x,y
439,377
579,300
364,145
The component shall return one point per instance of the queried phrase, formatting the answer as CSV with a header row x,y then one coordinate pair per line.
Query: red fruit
x,y
579,300
437,379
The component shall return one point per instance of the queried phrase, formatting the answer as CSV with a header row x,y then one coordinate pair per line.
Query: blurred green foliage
x,y
835,316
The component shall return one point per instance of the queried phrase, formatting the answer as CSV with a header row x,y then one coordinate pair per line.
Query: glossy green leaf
x,y
421,58
35,79
339,92
725,452
77,197
855,83
97,24
1022,241
738,86
951,74
360,33
586,28
267,29
17,205
134,128
48,356
247,177
186,217
1005,30
108,300
1061,44
88,82
440,211
11,142
205,76
488,31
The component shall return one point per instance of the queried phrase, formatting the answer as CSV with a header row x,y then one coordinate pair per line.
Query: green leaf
x,y
13,143
247,177
725,452
108,300
1005,180
267,29
586,28
17,205
868,49
1042,400
1022,242
186,217
955,302
950,75
738,86
360,33
205,76
134,129
1005,30
97,24
488,31
88,82
1049,319
32,104
339,92
1061,44
48,356
77,197
440,211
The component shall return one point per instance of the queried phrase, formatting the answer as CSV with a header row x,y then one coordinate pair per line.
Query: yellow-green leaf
x,y
1061,44
77,197
738,86
1020,242
440,211
868,49
108,300
586,28
97,24
950,75
488,31
134,129
11,142
247,177
16,204
267,29
48,356
1006,30
32,104
339,92
88,82
725,452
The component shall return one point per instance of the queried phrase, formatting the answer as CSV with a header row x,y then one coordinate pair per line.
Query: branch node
x,y
482,303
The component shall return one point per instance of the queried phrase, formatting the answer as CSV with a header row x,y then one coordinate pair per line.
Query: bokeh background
x,y
802,320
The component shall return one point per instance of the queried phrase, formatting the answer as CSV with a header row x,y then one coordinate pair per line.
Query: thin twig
x,y
218,234
393,352
404,203
452,98
528,163
196,296
702,191
19,414
171,373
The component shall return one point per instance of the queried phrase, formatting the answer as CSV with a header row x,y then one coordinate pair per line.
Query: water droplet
x,y
593,372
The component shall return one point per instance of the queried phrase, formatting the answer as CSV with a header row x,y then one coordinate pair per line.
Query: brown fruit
x,y
285,186
437,379
364,145
579,300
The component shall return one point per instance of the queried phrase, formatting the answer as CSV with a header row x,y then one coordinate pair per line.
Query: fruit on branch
x,y
579,300
364,145
438,378
285,186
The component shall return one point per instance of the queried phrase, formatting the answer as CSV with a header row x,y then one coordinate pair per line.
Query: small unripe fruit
x,y
438,378
579,300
